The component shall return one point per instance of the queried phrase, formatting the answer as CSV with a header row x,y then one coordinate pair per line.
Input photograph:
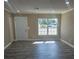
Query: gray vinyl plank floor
x,y
28,50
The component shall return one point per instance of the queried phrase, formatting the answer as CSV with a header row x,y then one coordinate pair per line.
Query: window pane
x,y
52,31
52,27
47,26
42,26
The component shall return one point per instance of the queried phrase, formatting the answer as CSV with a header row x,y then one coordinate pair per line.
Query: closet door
x,y
21,28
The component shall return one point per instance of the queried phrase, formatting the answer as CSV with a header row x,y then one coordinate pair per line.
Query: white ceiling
x,y
45,6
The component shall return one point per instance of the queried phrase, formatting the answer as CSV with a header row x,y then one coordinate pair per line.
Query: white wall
x,y
67,27
8,29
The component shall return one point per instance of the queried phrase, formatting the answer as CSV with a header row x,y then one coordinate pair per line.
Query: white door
x,y
21,28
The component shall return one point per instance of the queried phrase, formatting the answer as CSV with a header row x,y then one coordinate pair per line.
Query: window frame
x,y
48,27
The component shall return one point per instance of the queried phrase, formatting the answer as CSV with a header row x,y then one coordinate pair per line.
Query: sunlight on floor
x,y
43,42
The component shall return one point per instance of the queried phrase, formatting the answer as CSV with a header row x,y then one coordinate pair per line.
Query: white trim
x,y
67,43
33,40
8,45
27,40
23,40
7,10
67,10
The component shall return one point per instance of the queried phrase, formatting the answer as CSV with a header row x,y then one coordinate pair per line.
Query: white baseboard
x,y
28,40
32,40
8,45
67,43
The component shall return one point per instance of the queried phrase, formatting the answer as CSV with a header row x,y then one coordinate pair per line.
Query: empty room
x,y
39,29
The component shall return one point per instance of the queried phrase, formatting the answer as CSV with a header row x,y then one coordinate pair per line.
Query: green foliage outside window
x,y
47,22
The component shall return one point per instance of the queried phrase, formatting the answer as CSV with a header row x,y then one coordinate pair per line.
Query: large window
x,y
47,26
